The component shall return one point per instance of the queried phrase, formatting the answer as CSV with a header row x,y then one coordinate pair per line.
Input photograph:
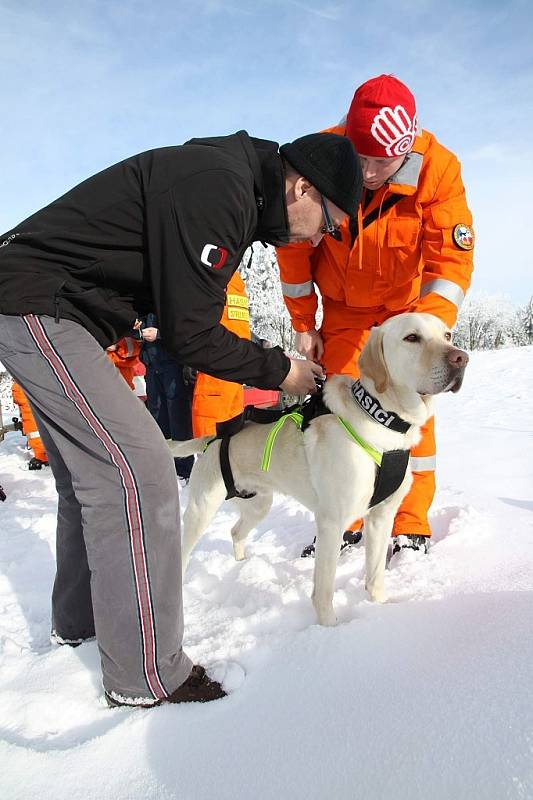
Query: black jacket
x,y
161,231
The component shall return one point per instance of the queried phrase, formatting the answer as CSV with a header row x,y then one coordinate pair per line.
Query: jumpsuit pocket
x,y
403,242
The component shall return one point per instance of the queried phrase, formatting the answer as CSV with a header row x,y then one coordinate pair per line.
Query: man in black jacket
x,y
161,231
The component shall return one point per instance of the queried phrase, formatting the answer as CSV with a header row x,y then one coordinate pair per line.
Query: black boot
x,y
309,550
36,463
410,541
349,539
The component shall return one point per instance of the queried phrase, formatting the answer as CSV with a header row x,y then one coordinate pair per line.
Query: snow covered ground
x,y
427,697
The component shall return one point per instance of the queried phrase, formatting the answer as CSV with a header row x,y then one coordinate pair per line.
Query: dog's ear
x,y
372,360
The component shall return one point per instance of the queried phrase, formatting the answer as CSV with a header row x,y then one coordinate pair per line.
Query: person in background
x,y
30,429
215,400
139,381
125,356
409,250
168,395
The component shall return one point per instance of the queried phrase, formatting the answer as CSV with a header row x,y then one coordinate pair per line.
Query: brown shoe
x,y
198,688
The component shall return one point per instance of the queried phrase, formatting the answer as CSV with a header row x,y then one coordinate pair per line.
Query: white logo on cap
x,y
393,129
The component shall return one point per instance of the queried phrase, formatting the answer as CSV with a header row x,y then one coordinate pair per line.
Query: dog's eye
x,y
448,336
413,337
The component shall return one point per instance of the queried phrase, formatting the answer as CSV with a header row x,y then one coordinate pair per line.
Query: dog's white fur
x,y
405,360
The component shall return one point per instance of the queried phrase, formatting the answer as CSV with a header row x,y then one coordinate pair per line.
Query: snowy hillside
x,y
429,697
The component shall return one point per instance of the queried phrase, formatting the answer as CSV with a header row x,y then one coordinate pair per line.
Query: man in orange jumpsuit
x,y
215,400
30,429
409,250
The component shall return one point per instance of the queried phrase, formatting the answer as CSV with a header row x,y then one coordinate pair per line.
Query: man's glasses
x,y
328,226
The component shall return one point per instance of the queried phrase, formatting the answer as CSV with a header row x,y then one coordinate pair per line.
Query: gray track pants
x,y
118,536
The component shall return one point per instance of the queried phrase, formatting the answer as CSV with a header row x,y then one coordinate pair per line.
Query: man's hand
x,y
301,377
309,344
149,334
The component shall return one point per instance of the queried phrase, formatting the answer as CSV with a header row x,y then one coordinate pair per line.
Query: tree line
x,y
485,322
488,322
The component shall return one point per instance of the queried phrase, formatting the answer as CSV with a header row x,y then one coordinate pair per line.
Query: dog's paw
x,y
239,551
326,618
377,595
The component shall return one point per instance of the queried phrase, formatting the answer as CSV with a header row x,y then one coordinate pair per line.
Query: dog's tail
x,y
190,447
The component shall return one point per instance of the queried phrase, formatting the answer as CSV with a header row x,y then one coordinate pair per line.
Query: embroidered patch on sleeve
x,y
463,236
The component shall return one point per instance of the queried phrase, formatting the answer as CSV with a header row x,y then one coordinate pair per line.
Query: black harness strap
x,y
250,414
312,408
227,474
230,427
390,475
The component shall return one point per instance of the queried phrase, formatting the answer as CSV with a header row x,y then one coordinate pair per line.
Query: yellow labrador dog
x,y
331,466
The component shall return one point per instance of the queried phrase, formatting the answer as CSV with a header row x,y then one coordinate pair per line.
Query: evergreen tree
x,y
526,318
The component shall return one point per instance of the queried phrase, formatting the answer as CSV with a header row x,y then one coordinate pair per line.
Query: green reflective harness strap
x,y
297,418
374,454
208,443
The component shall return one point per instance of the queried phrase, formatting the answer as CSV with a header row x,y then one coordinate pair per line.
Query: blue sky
x,y
87,84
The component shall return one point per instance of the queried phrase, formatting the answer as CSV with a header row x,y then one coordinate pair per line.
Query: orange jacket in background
x,y
125,357
29,426
407,258
215,400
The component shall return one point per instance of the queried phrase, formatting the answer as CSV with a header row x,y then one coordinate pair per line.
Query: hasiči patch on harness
x,y
373,408
463,236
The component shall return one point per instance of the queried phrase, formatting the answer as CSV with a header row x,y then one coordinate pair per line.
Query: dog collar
x,y
373,408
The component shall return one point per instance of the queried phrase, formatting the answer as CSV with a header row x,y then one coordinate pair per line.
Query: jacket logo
x,y
214,256
394,130
8,240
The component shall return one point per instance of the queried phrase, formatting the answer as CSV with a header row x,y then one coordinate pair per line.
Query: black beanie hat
x,y
331,164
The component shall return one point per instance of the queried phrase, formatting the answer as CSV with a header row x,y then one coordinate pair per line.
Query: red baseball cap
x,y
382,120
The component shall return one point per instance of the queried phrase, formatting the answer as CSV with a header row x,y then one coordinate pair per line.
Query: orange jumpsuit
x,y
29,426
215,400
415,255
125,357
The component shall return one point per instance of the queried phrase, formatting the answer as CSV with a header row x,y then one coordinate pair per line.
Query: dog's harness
x,y
391,465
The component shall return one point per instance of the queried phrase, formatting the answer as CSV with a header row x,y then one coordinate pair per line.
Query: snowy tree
x,y
526,318
487,322
6,382
269,318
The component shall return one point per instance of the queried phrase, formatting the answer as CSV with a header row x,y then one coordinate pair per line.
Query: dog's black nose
x,y
457,358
